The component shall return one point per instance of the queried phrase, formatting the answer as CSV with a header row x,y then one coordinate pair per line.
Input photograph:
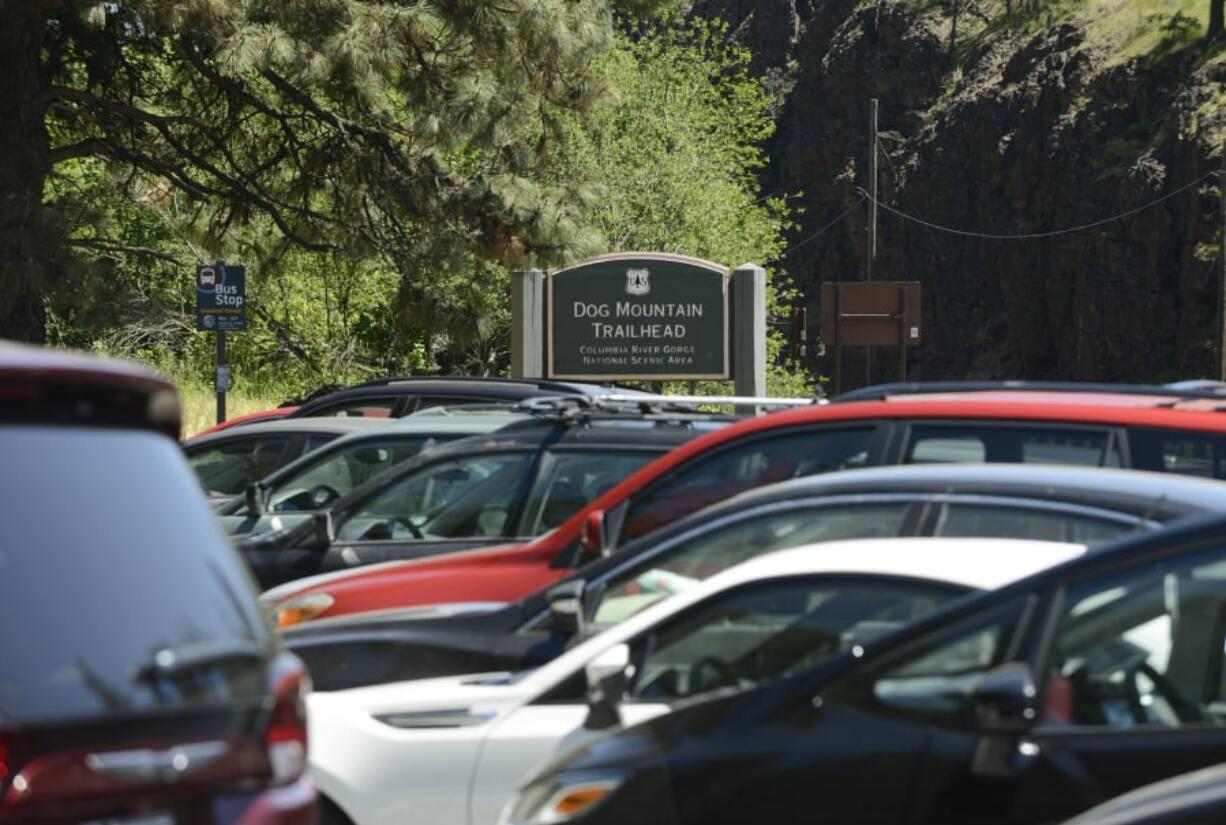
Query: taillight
x,y
285,736
6,762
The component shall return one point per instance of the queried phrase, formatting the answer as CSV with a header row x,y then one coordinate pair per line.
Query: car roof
x,y
64,388
1141,492
1206,395
291,426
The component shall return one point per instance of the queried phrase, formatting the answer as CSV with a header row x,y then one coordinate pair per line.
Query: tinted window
x,y
1143,647
931,444
108,556
689,562
569,480
364,408
1020,522
230,467
465,497
766,631
342,470
425,402
1171,451
736,469
935,678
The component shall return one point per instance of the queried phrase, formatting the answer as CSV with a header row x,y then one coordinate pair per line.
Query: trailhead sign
x,y
221,298
638,315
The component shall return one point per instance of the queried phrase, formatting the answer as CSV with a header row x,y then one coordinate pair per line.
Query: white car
x,y
451,751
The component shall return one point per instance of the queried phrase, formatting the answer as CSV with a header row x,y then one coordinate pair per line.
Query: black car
x,y
1069,504
1024,705
398,397
510,485
230,460
1197,798
139,681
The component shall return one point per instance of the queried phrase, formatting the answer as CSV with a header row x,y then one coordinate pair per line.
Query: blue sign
x,y
221,298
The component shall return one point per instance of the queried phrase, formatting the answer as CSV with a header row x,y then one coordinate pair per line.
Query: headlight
x,y
302,609
559,798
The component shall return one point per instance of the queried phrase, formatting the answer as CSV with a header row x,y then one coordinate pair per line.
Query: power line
x,y
827,227
1036,235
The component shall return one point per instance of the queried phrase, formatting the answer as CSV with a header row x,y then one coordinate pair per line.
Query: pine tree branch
x,y
106,245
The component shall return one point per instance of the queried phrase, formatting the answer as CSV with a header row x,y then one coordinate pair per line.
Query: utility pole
x,y
872,219
1221,260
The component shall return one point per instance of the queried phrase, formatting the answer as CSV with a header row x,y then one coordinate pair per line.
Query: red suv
x,y
1146,428
139,682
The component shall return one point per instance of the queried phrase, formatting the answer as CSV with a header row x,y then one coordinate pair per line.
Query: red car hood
x,y
491,574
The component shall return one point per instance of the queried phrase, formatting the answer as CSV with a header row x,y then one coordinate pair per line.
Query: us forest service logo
x,y
636,281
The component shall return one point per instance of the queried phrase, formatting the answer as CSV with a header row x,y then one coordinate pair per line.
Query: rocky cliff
x,y
1013,126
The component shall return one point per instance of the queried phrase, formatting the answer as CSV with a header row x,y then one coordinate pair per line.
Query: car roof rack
x,y
1177,391
540,383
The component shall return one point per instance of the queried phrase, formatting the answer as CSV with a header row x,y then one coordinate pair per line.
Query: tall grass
x,y
200,405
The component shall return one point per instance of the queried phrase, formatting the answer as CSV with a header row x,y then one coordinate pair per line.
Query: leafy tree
x,y
412,129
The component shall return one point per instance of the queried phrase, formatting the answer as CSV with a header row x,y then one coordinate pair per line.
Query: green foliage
x,y
659,151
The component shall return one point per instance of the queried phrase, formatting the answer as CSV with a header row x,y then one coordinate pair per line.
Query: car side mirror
x,y
1005,703
254,495
1005,700
566,606
325,529
607,676
592,538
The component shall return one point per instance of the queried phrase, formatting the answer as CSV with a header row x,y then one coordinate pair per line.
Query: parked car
x,y
1072,504
140,682
1197,798
249,418
452,750
1026,705
319,478
229,461
398,397
1047,426
516,483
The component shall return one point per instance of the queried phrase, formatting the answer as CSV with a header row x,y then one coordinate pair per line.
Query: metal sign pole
x,y
218,378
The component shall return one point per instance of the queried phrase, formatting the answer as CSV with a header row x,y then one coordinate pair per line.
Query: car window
x,y
465,497
230,467
687,563
425,402
139,567
739,468
1171,451
358,408
568,480
944,443
342,470
765,631
314,442
965,519
936,679
1142,648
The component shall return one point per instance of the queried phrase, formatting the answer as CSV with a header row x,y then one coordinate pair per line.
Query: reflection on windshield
x,y
342,471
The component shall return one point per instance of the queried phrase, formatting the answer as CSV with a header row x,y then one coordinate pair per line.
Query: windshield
x,y
109,555
465,497
331,476
766,630
683,565
568,480
228,468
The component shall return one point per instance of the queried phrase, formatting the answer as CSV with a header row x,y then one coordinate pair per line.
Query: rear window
x,y
108,556
945,444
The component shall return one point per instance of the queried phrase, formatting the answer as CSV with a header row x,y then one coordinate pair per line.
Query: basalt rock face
x,y
1034,132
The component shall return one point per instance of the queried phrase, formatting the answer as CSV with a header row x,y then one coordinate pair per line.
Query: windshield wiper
x,y
170,662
